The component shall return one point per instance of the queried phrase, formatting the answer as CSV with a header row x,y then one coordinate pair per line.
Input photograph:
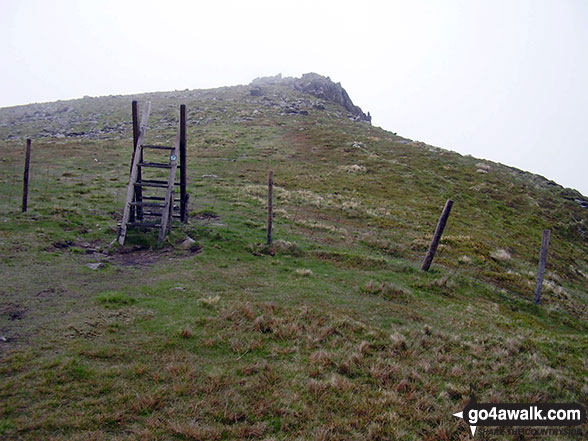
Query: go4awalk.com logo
x,y
510,415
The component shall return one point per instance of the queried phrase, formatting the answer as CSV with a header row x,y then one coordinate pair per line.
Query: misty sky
x,y
502,80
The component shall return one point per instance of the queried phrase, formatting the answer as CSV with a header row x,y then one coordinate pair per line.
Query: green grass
x,y
115,299
332,333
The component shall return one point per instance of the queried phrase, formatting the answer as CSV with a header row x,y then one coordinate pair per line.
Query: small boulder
x,y
187,244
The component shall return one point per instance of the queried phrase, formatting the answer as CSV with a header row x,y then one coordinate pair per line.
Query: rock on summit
x,y
317,85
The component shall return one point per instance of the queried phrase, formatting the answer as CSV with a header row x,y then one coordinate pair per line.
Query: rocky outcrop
x,y
317,85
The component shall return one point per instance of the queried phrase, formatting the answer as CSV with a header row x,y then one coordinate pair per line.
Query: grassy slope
x,y
336,336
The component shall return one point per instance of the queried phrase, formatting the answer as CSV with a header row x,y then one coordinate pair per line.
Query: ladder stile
x,y
150,205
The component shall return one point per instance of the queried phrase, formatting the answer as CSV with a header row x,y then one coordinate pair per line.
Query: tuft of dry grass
x,y
354,168
399,342
209,301
445,285
321,357
186,333
304,272
364,347
388,290
193,430
264,324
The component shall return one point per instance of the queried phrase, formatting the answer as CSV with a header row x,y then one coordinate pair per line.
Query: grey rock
x,y
187,244
319,86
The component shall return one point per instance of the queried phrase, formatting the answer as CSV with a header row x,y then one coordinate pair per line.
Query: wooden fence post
x,y
542,263
183,171
437,236
270,206
25,184
138,211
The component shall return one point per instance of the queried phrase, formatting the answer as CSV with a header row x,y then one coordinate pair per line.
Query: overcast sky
x,y
505,80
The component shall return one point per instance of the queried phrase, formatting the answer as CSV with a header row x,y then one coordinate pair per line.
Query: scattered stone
x,y
16,315
500,255
187,244
178,288
483,166
211,176
63,245
354,168
95,266
256,91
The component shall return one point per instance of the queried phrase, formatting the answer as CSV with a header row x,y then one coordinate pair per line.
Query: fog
x,y
502,80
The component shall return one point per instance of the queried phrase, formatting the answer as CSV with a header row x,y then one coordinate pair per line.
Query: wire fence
x,y
62,177
93,178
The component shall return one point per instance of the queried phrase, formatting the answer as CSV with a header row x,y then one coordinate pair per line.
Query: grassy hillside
x,y
333,334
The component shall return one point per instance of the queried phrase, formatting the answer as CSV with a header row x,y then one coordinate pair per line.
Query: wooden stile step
x,y
158,214
144,224
154,165
153,183
157,198
147,204
158,147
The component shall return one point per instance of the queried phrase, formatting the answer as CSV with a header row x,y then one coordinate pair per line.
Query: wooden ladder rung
x,y
153,183
144,224
157,147
147,204
157,214
154,165
157,198
150,184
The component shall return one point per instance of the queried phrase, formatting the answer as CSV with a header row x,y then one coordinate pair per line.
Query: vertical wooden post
x,y
25,184
437,236
138,191
270,206
183,171
542,263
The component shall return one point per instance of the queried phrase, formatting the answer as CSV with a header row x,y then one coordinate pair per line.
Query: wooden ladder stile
x,y
134,173
149,205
